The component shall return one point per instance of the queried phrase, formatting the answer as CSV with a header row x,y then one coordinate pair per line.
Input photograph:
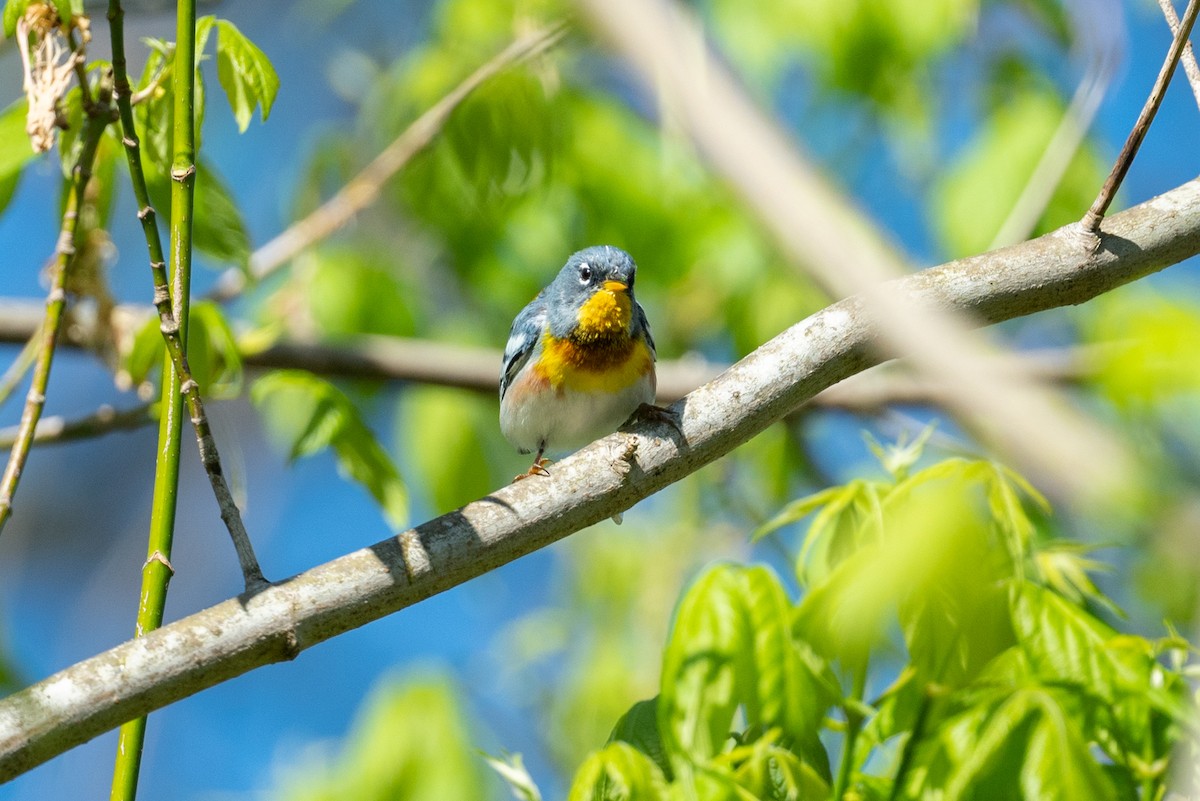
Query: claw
x,y
658,414
538,468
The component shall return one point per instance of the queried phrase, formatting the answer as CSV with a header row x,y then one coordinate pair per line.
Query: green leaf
x,y
218,230
772,773
849,518
899,458
145,355
1025,746
639,728
153,116
358,291
731,645
1149,355
618,772
68,9
245,74
15,150
204,27
699,692
1065,643
13,11
448,432
410,741
308,414
213,354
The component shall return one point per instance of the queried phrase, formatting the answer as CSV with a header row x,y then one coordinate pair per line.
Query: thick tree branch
x,y
603,479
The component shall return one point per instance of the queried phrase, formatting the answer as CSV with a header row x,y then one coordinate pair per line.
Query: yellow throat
x,y
605,314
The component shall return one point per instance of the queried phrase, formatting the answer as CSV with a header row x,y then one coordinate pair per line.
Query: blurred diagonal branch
x,y
1022,419
103,421
601,480
380,358
1095,31
1091,220
1190,68
364,188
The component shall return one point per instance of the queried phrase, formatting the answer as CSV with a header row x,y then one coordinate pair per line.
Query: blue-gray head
x,y
592,296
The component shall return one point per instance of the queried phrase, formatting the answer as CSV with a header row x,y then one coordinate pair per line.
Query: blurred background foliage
x,y
918,601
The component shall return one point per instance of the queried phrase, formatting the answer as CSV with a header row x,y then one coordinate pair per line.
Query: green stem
x,y
854,722
910,745
172,306
17,370
97,120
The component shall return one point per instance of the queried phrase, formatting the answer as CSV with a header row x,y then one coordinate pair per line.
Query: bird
x,y
579,360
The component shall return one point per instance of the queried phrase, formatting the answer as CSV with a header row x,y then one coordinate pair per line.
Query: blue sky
x,y
69,561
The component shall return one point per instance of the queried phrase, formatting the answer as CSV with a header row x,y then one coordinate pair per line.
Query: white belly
x,y
568,421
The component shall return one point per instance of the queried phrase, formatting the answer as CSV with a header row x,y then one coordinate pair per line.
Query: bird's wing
x,y
522,339
644,324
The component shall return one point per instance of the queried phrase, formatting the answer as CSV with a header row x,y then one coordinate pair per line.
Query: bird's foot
x,y
658,414
538,468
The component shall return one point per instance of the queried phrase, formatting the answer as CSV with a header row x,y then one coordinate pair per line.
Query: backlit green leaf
x,y
411,741
732,645
245,74
639,728
309,414
218,230
15,150
13,11
618,772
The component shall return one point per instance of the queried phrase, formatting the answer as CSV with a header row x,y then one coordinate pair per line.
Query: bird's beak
x,y
615,286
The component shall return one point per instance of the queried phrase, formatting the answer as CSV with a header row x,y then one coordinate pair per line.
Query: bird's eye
x,y
585,273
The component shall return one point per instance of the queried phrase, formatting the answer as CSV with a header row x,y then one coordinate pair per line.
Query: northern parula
x,y
579,360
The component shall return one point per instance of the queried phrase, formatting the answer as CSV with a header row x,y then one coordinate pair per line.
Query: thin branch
x,y
1190,68
1093,30
105,420
172,307
147,91
1070,455
364,188
1091,220
35,400
603,479
20,366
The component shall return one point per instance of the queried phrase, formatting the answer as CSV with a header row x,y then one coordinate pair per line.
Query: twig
x,y
607,477
105,420
141,95
1190,68
1066,452
20,366
854,722
910,745
172,320
1091,220
364,188
35,400
1093,26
